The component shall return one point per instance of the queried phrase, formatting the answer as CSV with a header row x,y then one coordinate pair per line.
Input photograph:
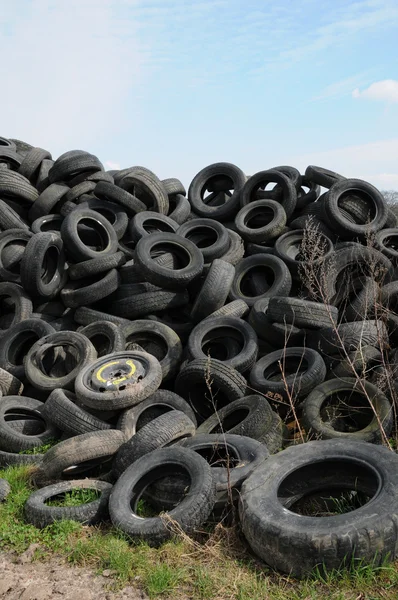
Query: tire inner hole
x,y
25,414
93,234
259,217
220,455
161,489
222,343
216,185
366,211
202,237
230,421
50,265
347,411
150,342
74,497
328,488
20,346
181,256
265,274
290,365
157,225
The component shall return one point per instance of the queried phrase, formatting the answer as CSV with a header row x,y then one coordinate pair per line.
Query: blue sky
x,y
175,85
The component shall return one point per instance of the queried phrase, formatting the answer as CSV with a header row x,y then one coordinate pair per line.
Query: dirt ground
x,y
22,579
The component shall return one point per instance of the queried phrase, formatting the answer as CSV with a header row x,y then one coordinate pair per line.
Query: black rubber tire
x,y
106,337
20,302
252,417
190,514
76,248
164,277
232,459
31,162
39,514
385,241
322,176
361,419
85,355
278,275
5,489
113,212
9,385
236,308
90,290
174,187
219,331
200,231
48,224
61,409
137,300
361,363
148,188
95,266
10,218
86,316
72,163
42,180
12,247
365,302
165,430
85,448
296,544
302,313
214,291
179,208
340,224
46,203
43,265
14,459
351,336
288,198
290,246
16,341
148,222
229,173
268,216
113,193
14,185
12,440
304,198
159,340
351,262
134,391
162,401
208,385
303,369
281,335
236,249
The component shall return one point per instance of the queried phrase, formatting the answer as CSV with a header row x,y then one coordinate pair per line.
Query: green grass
x,y
218,567
74,498
40,449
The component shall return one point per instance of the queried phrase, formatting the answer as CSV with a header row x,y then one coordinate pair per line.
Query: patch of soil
x,y
22,579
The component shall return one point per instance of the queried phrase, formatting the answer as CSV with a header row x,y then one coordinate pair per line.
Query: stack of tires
x,y
157,346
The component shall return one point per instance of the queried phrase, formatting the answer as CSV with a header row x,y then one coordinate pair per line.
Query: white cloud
x,y
382,91
112,165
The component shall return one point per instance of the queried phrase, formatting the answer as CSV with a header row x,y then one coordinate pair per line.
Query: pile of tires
x,y
229,347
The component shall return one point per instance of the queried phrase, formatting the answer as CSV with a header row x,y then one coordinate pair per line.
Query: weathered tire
x,y
295,543
363,414
39,514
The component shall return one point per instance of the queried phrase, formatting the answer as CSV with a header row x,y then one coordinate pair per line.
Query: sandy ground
x,y
22,579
